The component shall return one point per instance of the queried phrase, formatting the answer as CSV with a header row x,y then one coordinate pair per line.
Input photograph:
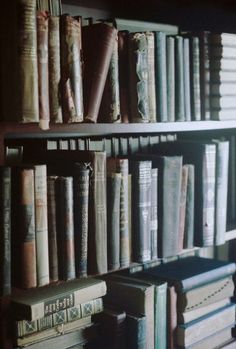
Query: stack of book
x,y
59,315
200,310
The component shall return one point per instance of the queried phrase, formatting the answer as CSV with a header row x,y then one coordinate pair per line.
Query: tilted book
x,y
136,331
39,302
189,213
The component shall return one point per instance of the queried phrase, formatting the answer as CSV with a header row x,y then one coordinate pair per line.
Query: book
x,y
133,25
170,76
154,213
24,327
182,206
223,39
188,334
151,75
65,227
81,214
5,229
171,317
161,76
191,272
141,199
43,69
113,220
123,57
138,78
135,331
98,44
54,63
40,302
189,213
186,73
195,88
71,69
179,80
135,297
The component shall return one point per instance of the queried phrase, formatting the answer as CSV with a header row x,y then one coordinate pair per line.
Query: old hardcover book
x,y
171,316
154,212
65,226
161,77
39,302
192,272
135,297
186,71
136,331
170,73
43,71
194,331
179,80
98,45
141,199
113,220
81,214
41,224
123,75
189,213
182,206
71,69
52,228
5,230
138,77
27,55
151,75
195,78
54,63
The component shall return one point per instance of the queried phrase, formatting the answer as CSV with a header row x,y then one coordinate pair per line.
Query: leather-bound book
x,y
71,70
136,331
42,50
52,228
65,224
81,214
123,57
54,62
5,230
98,45
138,83
28,69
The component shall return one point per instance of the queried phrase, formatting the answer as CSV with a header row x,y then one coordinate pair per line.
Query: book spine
x,y
65,221
5,229
71,71
189,215
43,72
113,220
161,316
154,208
138,64
41,224
122,166
195,79
141,171
170,82
28,71
204,51
136,332
222,164
151,75
179,80
123,75
171,316
161,81
98,217
182,206
52,228
27,227
81,213
54,62
186,70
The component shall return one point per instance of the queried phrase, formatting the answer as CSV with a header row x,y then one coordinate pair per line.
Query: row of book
x,y
123,76
182,304
79,213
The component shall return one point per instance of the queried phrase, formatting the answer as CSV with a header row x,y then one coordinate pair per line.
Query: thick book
x,y
71,69
113,220
189,213
81,214
5,230
141,199
43,68
194,331
98,45
41,224
151,75
24,327
136,331
65,227
39,302
191,272
161,76
135,297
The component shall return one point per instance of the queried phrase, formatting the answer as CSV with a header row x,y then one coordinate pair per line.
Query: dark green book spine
x,y
136,331
5,229
81,204
179,80
65,221
141,174
189,215
113,220
161,80
195,79
154,208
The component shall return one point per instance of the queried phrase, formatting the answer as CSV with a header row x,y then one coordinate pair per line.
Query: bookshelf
x,y
144,10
